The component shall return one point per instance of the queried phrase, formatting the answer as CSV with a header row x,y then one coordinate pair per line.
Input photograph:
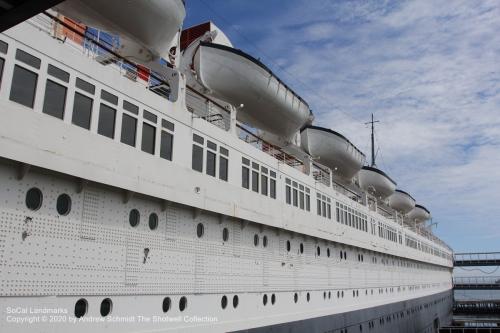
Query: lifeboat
x,y
419,214
146,28
401,201
262,99
376,182
333,150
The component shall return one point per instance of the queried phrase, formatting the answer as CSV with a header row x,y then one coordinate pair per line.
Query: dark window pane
x,y
2,61
255,166
109,97
255,181
55,99
245,177
129,130
23,86
149,116
289,195
211,145
85,86
82,111
319,207
295,197
197,138
323,209
245,161
3,47
273,174
263,185
148,138
272,188
197,163
106,124
308,202
168,125
166,145
223,165
301,200
224,151
210,163
130,107
58,73
28,59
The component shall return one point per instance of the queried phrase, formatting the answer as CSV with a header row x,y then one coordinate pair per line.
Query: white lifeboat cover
x,y
419,214
401,201
237,78
376,182
333,150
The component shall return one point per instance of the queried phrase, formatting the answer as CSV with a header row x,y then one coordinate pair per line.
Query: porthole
x,y
329,294
256,240
106,307
264,241
200,230
295,297
345,255
342,294
288,246
225,234
341,255
134,217
353,293
223,302
264,299
81,307
318,251
34,198
338,294
328,252
308,297
301,248
183,303
63,204
153,221
166,304
324,294
235,301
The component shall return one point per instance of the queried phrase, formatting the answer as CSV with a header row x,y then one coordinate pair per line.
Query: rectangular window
x,y
148,138
167,125
211,145
288,195
329,211
4,47
323,209
55,99
28,59
106,124
255,181
129,129
197,163
318,206
130,107
198,139
82,111
166,145
245,161
149,116
272,188
245,177
23,86
263,185
308,203
338,214
295,197
109,97
210,163
2,61
224,151
58,73
85,86
223,168
301,200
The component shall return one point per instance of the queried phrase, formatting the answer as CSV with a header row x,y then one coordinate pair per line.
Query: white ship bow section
x,y
333,150
263,100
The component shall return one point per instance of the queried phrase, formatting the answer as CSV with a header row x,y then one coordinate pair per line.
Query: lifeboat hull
x,y
401,201
419,214
333,150
264,101
376,182
152,24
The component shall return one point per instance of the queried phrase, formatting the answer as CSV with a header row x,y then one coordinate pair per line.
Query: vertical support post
x,y
232,121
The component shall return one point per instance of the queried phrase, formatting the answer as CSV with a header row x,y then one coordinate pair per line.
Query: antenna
x,y
372,122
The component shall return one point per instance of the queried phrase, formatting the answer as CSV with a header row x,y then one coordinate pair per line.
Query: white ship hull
x,y
56,262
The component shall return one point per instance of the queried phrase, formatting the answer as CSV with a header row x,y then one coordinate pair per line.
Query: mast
x,y
372,122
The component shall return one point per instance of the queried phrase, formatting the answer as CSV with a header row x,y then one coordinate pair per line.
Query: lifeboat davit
x,y
419,214
237,78
146,28
401,201
333,150
376,182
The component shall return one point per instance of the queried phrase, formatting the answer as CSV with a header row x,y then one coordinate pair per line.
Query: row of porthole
x,y
34,201
223,302
81,307
134,219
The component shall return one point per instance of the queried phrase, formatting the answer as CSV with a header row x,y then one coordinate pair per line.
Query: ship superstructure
x,y
177,179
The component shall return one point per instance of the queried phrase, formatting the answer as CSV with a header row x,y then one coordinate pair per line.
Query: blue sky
x,y
429,70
